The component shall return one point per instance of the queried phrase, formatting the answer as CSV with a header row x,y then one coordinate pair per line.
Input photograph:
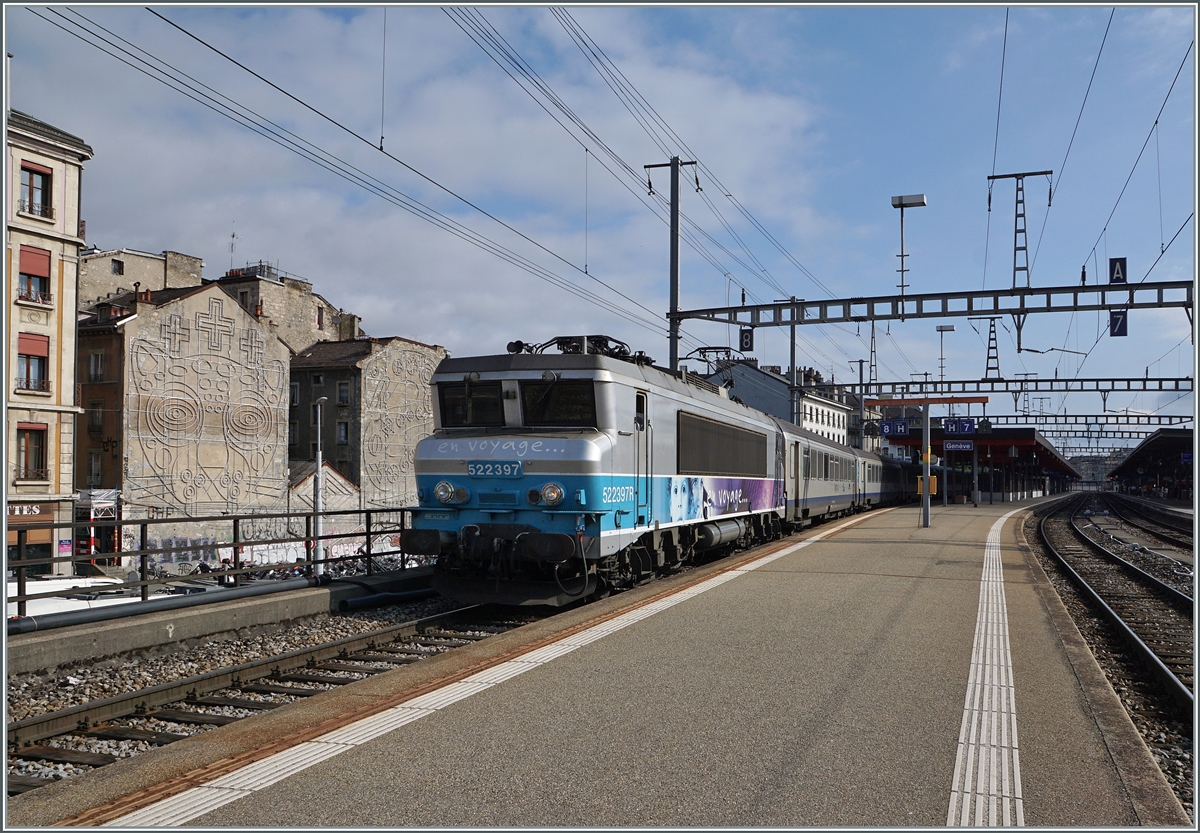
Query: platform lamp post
x,y
909,201
318,493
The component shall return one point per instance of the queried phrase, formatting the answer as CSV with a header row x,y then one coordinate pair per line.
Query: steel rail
x,y
1170,539
85,715
1151,513
1175,686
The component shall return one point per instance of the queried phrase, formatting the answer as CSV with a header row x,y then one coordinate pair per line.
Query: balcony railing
x,y
34,296
36,209
95,427
96,377
93,480
42,385
24,473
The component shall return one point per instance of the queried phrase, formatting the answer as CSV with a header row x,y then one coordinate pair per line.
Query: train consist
x,y
556,477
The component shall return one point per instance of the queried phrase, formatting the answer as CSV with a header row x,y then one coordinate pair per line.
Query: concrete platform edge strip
x,y
987,768
182,808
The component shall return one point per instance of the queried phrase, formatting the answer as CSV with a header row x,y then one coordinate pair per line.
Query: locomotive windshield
x,y
566,403
471,403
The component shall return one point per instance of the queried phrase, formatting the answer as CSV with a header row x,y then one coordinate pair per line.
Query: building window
x,y
34,288
320,317
95,465
96,366
343,433
244,299
118,267
343,467
312,450
33,353
343,393
95,421
316,414
35,191
292,426
295,394
318,379
31,452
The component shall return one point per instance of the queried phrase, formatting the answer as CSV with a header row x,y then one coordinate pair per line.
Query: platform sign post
x,y
974,476
925,440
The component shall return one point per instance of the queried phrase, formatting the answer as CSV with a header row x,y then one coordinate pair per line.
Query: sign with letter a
x,y
1116,270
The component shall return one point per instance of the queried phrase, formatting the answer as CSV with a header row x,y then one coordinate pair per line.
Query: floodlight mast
x,y
903,202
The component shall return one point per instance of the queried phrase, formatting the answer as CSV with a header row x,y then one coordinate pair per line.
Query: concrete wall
x,y
205,409
396,413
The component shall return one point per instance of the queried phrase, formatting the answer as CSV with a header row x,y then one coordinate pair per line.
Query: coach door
x,y
642,457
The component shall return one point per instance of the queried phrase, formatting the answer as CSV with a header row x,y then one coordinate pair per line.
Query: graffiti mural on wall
x,y
207,413
397,413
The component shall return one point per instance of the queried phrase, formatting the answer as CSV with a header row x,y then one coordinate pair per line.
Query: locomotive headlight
x,y
552,494
444,492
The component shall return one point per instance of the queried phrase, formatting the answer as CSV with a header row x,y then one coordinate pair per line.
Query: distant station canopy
x,y
1160,466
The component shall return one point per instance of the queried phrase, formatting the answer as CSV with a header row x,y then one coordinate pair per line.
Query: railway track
x,y
64,741
1152,523
1154,618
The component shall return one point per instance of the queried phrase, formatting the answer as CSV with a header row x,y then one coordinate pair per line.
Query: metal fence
x,y
158,569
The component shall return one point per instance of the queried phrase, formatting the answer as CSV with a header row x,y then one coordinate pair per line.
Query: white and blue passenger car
x,y
557,477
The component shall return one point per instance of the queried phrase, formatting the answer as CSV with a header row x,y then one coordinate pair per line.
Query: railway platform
x,y
866,673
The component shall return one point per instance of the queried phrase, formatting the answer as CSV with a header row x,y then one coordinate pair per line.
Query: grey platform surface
x,y
824,688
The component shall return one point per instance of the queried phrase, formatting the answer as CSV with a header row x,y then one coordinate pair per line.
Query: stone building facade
x,y
103,274
295,313
45,234
189,415
379,405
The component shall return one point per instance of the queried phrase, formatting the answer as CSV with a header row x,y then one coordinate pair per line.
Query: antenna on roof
x,y
233,238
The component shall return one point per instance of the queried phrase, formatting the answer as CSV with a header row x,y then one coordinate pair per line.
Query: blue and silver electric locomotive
x,y
557,477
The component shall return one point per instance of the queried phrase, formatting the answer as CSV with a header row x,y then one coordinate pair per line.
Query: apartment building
x,y
45,234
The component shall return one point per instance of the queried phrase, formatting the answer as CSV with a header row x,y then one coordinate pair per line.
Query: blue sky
x,y
811,117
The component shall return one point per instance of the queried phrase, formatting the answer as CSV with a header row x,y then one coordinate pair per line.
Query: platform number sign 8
x,y
1118,323
746,340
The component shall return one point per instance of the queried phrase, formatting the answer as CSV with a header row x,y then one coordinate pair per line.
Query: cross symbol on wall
x,y
214,324
253,346
175,332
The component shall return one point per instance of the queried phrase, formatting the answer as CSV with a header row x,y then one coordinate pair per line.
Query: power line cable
x,y
1144,144
336,165
390,156
1058,183
987,237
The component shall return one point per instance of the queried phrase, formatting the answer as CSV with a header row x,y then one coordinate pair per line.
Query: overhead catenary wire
x,y
1057,183
393,157
1166,98
312,153
987,236
645,114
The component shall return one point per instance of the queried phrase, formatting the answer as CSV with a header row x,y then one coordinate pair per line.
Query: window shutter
x,y
35,262
32,426
33,166
33,345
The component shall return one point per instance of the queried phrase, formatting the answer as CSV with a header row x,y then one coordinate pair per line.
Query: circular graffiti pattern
x,y
175,417
248,424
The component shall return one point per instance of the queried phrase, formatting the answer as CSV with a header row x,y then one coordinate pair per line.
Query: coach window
x,y
558,402
470,403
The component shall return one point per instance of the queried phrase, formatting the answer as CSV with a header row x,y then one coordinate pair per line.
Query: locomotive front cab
x,y
509,484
